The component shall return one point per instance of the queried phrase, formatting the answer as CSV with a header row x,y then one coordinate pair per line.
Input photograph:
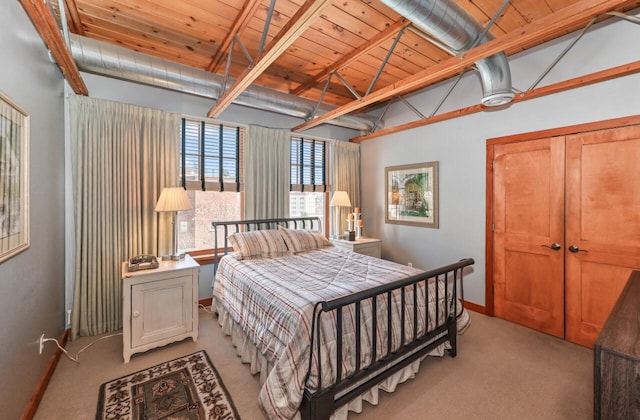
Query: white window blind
x,y
308,165
211,157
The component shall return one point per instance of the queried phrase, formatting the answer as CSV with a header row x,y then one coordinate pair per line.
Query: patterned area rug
x,y
185,388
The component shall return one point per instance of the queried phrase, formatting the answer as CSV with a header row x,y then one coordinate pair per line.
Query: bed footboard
x,y
425,306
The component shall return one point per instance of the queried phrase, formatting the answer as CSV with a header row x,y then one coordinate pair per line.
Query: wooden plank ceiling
x,y
306,41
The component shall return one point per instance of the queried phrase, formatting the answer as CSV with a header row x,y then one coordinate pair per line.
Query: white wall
x,y
32,282
459,144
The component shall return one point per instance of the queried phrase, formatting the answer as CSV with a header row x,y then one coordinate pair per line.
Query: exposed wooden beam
x,y
597,77
303,18
46,25
242,20
74,20
390,32
536,31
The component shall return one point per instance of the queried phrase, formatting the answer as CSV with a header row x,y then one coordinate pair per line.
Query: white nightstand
x,y
366,246
159,306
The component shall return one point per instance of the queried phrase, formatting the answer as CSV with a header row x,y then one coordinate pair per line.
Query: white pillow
x,y
258,243
300,240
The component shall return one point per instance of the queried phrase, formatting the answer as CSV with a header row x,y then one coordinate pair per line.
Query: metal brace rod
x,y
384,112
446,95
411,107
223,88
348,86
267,23
495,17
324,90
630,18
562,54
384,62
244,50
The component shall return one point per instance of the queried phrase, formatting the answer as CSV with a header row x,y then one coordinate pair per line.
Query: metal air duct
x,y
99,57
451,25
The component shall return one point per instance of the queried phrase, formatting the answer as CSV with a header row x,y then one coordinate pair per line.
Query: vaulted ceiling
x,y
350,54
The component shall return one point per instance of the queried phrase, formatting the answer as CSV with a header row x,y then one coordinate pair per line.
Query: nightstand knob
x,y
136,314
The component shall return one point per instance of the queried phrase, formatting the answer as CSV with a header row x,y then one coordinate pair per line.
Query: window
x,y
211,171
308,165
308,178
211,156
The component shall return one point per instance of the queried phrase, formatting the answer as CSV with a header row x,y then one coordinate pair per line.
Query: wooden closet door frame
x,y
534,135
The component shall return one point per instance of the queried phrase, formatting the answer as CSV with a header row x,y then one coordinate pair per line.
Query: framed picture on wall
x,y
14,178
411,194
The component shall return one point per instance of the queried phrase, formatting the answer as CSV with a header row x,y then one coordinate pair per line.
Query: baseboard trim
x,y
475,307
206,302
32,407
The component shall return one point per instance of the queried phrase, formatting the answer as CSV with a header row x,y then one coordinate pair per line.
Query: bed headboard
x,y
229,227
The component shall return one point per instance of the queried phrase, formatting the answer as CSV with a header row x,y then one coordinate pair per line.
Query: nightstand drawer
x,y
365,246
373,249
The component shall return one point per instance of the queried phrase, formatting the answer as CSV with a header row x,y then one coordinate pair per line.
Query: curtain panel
x,y
267,173
345,176
122,156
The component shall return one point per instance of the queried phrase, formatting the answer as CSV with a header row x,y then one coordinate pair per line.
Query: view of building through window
x,y
303,204
194,226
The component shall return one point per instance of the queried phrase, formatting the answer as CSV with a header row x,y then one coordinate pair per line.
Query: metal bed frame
x,y
319,404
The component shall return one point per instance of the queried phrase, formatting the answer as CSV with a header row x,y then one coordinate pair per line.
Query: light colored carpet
x,y
502,371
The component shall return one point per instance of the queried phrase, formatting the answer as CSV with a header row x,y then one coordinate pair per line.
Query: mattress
x,y
272,300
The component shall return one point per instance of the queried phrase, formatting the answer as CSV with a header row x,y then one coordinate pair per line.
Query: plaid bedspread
x,y
272,300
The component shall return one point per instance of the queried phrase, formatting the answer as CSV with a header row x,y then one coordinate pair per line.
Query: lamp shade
x,y
340,199
173,199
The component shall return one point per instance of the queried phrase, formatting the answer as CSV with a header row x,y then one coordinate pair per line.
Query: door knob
x,y
556,246
575,249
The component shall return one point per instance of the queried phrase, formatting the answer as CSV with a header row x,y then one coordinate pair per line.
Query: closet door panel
x,y
602,225
528,234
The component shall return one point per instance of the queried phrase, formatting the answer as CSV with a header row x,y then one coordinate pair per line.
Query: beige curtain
x,y
345,176
122,157
267,173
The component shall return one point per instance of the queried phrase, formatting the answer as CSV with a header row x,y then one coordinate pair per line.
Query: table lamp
x,y
339,199
173,199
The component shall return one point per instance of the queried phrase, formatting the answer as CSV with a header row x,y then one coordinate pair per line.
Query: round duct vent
x,y
498,99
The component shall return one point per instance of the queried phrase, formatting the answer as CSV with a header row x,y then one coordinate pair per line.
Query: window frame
x,y
299,160
301,186
205,256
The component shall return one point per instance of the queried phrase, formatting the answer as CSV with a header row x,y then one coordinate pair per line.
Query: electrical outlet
x,y
41,343
410,264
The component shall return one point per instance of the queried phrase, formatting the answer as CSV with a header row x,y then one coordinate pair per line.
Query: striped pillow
x,y
300,240
258,243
